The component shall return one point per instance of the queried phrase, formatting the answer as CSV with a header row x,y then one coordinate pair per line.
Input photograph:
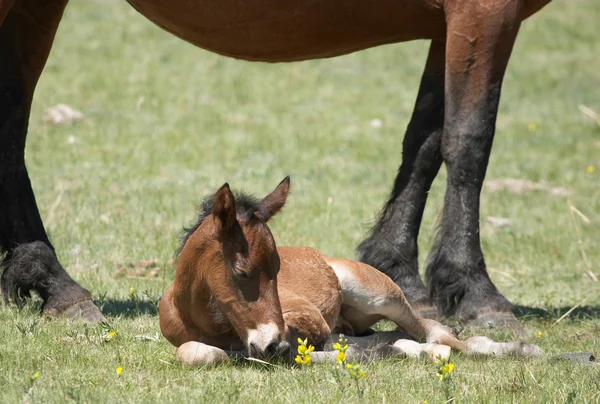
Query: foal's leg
x,y
303,319
369,295
479,44
26,35
194,353
392,245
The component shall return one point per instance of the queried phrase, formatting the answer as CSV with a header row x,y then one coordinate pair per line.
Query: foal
x,y
235,290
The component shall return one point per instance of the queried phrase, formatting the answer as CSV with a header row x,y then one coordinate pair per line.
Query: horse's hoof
x,y
195,353
83,310
502,321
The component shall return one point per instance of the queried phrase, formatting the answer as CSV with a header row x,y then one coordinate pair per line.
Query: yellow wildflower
x,y
119,369
339,347
591,169
131,290
449,368
540,335
532,127
303,358
444,369
341,357
34,376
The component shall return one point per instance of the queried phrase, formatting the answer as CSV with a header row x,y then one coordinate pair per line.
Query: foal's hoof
x,y
502,321
84,310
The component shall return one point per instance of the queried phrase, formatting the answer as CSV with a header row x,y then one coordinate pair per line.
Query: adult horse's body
x,y
453,122
235,290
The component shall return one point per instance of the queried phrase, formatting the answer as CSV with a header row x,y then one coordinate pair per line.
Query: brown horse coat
x,y
234,290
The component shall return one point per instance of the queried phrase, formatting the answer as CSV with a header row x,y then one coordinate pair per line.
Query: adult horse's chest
x,y
289,30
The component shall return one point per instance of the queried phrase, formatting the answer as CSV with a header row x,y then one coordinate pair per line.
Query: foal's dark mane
x,y
246,206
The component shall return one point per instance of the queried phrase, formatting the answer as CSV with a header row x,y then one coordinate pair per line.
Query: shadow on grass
x,y
127,308
578,313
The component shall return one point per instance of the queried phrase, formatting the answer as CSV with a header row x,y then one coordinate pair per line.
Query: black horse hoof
x,y
84,310
501,321
34,266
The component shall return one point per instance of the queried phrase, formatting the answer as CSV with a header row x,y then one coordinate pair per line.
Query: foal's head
x,y
236,252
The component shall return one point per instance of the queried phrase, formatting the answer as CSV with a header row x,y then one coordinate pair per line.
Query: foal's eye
x,y
242,274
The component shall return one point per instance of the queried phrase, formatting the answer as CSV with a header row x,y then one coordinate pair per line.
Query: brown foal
x,y
234,290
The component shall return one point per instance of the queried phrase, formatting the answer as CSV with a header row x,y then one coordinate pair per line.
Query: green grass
x,y
166,124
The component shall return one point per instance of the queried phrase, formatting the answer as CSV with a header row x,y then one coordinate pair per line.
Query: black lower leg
x,y
29,262
392,244
457,276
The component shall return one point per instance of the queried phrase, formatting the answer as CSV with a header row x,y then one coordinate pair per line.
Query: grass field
x,y
166,124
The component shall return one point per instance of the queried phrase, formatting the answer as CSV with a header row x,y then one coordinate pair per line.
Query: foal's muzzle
x,y
274,349
266,340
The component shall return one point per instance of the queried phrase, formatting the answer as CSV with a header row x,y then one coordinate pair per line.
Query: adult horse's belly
x,y
290,30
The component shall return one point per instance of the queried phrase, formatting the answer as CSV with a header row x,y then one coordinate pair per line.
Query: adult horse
x,y
453,122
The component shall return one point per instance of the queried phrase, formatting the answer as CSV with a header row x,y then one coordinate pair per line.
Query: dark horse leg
x,y
480,39
29,263
392,245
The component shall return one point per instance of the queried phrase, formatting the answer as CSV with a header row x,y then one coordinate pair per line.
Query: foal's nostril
x,y
278,348
272,348
253,350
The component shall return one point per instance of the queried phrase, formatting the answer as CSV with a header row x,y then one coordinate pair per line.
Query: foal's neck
x,y
199,274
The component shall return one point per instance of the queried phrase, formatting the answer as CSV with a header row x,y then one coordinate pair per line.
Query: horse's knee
x,y
171,325
303,325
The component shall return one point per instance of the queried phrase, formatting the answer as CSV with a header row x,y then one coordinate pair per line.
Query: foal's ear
x,y
272,203
224,212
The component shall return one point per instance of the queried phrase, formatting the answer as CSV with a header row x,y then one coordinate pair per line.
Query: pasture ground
x,y
166,124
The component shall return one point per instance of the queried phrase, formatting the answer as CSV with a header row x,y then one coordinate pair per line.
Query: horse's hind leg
x,y
26,36
478,47
369,295
392,245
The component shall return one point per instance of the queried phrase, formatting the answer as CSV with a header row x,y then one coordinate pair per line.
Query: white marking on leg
x,y
355,293
415,350
195,353
263,336
486,346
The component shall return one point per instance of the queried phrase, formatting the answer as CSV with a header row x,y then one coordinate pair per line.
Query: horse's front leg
x,y
392,245
480,38
194,353
26,35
